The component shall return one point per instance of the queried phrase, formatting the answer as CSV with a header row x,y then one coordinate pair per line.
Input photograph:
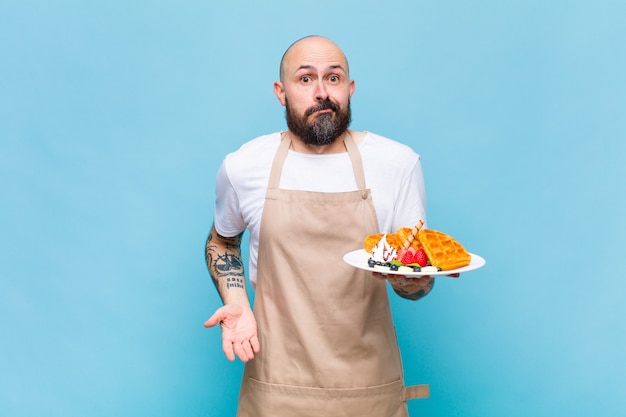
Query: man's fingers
x,y
227,347
243,351
254,341
247,351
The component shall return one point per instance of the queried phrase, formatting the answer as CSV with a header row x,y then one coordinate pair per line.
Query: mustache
x,y
323,105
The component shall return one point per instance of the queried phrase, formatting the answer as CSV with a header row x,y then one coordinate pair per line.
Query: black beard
x,y
325,129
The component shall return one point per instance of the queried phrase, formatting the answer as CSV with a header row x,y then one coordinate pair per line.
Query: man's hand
x,y
412,288
239,332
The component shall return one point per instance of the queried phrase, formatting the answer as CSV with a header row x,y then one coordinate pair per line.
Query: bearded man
x,y
321,340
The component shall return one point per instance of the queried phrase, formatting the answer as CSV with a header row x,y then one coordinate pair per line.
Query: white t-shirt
x,y
392,171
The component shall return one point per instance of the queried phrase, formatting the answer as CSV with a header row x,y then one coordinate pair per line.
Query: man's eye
x,y
333,78
305,79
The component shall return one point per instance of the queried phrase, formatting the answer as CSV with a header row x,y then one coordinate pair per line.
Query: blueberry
x,y
371,263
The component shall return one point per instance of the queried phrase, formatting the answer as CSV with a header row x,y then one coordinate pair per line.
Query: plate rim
x,y
479,263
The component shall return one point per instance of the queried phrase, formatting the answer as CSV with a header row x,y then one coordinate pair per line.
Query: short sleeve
x,y
410,204
227,214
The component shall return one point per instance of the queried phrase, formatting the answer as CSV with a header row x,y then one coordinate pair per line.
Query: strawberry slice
x,y
421,258
407,256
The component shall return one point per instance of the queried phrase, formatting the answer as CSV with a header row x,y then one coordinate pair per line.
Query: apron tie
x,y
415,391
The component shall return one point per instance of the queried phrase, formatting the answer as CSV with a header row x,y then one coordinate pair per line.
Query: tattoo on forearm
x,y
235,282
224,262
417,295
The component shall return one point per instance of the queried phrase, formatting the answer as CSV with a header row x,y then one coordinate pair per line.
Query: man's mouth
x,y
326,106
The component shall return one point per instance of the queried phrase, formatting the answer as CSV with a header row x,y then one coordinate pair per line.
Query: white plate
x,y
358,259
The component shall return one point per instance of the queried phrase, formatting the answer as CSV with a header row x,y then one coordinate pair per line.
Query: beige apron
x,y
328,344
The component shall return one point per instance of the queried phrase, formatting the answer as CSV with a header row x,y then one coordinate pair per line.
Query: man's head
x,y
315,88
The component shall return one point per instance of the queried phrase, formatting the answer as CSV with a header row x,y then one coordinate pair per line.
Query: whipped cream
x,y
383,251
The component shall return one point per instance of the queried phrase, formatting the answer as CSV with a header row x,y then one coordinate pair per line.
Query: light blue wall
x,y
114,117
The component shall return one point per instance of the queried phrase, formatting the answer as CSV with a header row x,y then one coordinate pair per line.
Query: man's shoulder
x,y
253,153
263,144
385,147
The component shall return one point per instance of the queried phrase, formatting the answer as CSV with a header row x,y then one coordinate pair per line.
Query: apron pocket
x,y
262,399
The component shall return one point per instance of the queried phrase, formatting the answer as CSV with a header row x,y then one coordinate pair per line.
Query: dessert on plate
x,y
415,250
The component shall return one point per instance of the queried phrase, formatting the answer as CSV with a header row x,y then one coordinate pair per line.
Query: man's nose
x,y
321,93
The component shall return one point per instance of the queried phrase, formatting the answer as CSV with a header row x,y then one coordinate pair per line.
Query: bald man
x,y
320,341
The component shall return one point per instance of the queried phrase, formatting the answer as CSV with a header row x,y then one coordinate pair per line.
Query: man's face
x,y
316,91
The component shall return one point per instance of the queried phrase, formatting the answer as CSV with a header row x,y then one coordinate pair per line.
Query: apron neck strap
x,y
283,149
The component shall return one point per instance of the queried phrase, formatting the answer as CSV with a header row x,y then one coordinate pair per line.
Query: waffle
x,y
443,250
394,240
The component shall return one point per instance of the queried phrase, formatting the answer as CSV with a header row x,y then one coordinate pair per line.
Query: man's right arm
x,y
239,331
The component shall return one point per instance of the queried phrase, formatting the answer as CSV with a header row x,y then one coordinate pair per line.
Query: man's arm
x,y
239,331
223,259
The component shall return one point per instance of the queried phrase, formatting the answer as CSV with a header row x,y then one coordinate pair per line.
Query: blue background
x,y
114,117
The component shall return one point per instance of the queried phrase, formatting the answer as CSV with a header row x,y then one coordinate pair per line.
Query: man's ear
x,y
279,90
